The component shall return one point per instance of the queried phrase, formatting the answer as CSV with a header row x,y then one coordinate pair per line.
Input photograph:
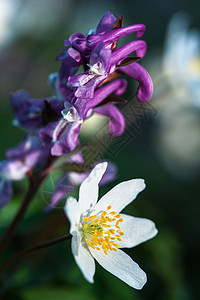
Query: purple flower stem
x,y
33,188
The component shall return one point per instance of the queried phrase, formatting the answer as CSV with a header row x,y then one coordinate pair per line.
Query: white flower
x,y
177,99
98,230
182,59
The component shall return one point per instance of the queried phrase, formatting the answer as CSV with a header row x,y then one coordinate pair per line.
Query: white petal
x,y
83,257
72,212
89,189
136,231
121,195
121,265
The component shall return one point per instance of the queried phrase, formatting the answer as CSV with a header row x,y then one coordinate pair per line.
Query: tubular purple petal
x,y
145,89
117,121
115,34
120,53
118,86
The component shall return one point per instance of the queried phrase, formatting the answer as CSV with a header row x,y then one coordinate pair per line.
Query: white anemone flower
x,y
99,230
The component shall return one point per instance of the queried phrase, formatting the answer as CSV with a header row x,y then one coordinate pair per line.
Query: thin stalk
x,y
34,248
27,199
32,190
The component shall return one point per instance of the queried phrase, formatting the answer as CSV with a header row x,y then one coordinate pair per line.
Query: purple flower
x,y
21,159
100,58
14,169
24,157
102,63
98,70
62,135
32,114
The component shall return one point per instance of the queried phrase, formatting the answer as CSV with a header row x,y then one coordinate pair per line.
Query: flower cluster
x,y
53,123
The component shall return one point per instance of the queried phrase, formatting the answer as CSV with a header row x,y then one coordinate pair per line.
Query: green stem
x,y
27,199
34,248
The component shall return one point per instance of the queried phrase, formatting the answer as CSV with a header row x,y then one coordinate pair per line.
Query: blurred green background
x,y
31,33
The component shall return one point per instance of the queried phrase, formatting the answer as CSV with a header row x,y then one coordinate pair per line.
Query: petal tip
x,y
141,183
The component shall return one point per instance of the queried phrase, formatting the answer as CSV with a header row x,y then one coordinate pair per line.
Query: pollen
x,y
103,231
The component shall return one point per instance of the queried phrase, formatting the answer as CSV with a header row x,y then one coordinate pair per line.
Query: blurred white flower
x,y
98,230
182,57
177,101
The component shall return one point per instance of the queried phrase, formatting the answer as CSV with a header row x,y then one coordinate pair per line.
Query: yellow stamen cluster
x,y
103,231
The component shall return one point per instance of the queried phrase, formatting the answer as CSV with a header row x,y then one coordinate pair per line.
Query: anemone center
x,y
103,231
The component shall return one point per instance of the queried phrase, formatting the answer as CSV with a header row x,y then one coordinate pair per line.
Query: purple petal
x,y
75,54
13,169
68,182
122,52
62,135
30,142
33,114
76,158
24,157
67,43
118,86
117,121
106,23
60,89
88,81
101,56
62,189
85,84
110,174
78,42
69,66
46,133
27,111
34,157
145,88
5,192
80,79
80,105
69,141
115,34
